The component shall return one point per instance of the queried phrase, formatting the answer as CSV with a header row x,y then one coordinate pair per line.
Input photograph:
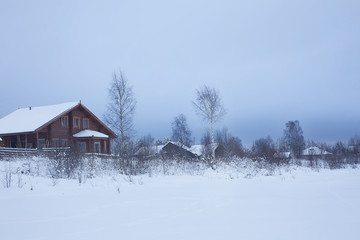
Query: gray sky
x,y
272,61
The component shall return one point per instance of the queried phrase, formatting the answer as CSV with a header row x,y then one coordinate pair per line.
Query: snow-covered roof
x,y
90,133
157,148
199,149
313,151
31,118
152,149
193,149
196,149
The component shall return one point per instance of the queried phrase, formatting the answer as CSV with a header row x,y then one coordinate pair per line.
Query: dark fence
x,y
28,152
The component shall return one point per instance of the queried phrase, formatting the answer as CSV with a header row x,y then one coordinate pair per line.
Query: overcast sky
x,y
271,61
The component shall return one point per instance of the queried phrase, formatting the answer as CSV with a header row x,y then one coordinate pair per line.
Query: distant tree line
x,y
208,105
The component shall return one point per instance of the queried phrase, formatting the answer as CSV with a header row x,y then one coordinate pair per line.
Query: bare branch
x,y
121,107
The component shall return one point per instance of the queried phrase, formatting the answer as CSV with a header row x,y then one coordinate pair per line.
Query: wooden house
x,y
315,152
172,149
202,150
282,155
62,125
354,148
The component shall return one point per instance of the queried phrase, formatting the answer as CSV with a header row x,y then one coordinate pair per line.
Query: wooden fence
x,y
28,152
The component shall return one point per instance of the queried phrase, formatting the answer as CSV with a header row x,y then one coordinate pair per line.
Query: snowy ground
x,y
297,204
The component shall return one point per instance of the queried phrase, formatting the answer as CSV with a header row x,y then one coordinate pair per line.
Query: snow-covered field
x,y
297,203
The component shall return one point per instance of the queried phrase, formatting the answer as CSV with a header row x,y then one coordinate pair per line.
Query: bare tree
x,y
209,106
293,136
232,145
144,147
180,131
264,148
121,109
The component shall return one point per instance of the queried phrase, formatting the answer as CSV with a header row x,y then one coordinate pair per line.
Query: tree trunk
x,y
212,140
122,136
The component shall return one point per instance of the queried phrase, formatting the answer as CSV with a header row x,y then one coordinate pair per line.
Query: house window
x,y
76,122
64,122
86,123
55,143
64,143
82,147
97,147
41,143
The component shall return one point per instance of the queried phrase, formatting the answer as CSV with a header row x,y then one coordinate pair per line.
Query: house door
x,y
13,142
97,147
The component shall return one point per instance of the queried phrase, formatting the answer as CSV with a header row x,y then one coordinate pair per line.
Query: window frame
x,y
56,141
78,122
62,122
99,144
64,143
88,123
41,143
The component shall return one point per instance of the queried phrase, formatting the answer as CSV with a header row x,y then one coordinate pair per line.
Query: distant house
x,y
201,150
62,125
148,151
169,150
355,148
282,155
195,151
315,152
172,149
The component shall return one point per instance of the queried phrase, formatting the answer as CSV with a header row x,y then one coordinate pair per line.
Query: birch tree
x,y
121,109
208,105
